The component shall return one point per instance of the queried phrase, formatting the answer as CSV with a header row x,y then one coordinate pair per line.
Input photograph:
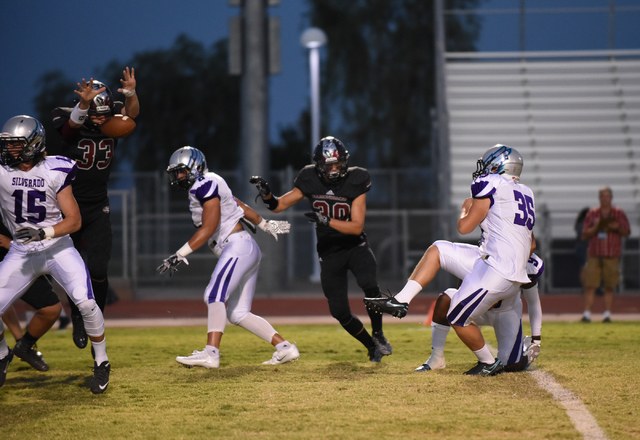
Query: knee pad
x,y
92,317
216,317
258,326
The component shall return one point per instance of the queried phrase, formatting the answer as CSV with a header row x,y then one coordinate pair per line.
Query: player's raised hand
x,y
86,92
274,227
171,264
261,184
128,83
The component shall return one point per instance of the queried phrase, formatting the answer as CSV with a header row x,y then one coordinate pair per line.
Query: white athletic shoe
x,y
432,364
281,356
199,359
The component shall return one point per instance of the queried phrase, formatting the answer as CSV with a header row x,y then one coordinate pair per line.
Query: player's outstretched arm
x,y
131,103
271,227
273,203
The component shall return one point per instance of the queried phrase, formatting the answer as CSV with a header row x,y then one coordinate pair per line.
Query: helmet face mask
x,y
331,159
185,166
22,134
502,160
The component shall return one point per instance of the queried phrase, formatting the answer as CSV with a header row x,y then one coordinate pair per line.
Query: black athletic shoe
x,y
4,364
387,304
30,356
482,369
381,342
79,333
375,355
607,319
100,377
64,322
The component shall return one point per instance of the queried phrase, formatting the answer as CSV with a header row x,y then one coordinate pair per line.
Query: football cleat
x,y
483,369
283,356
375,355
4,364
383,345
387,304
100,377
199,359
80,337
30,356
432,364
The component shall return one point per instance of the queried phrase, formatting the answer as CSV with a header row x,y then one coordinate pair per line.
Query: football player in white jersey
x,y
34,192
217,214
514,351
505,211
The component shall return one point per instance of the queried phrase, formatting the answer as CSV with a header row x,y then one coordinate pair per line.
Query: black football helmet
x,y
328,152
103,103
22,129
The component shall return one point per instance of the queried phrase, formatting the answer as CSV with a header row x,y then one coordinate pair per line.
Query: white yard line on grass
x,y
578,413
580,416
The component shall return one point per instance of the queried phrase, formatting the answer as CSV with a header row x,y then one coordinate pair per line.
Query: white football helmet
x,y
186,159
22,129
502,160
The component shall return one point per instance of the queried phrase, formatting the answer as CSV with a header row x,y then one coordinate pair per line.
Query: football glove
x,y
274,227
171,264
28,235
317,217
261,184
532,348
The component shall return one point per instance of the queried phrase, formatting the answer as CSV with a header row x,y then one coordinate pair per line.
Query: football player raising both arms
x,y
93,152
34,192
218,216
494,271
338,197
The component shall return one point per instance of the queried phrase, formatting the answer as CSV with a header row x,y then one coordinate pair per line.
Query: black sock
x,y
29,339
375,317
356,329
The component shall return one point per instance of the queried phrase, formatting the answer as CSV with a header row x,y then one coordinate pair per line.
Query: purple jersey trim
x,y
201,192
71,175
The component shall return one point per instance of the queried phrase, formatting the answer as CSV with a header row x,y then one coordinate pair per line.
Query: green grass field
x,y
332,392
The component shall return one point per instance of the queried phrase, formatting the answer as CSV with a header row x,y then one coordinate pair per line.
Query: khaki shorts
x,y
601,270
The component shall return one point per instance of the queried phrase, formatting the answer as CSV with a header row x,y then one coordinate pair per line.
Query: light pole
x,y
314,38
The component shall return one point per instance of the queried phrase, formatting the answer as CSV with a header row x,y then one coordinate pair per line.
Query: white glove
x,y
274,227
531,348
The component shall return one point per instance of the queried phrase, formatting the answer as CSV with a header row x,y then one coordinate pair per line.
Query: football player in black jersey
x,y
93,152
338,197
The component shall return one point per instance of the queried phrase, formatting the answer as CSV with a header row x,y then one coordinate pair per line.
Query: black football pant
x,y
334,278
94,241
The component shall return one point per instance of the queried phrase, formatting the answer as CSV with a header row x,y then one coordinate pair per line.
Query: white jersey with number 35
x,y
506,230
210,186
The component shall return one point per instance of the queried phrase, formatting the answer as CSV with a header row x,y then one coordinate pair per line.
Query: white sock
x,y
439,334
100,350
484,355
607,314
212,351
587,314
283,345
4,349
408,292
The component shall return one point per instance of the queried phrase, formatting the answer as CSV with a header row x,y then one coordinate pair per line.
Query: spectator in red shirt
x,y
604,227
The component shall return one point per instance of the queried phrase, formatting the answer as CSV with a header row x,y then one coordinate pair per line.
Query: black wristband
x,y
41,234
535,338
271,203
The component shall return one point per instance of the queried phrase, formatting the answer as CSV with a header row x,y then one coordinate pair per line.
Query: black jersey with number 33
x,y
334,200
93,152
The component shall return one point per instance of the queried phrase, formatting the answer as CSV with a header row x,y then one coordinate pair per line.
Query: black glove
x,y
317,217
261,184
27,235
171,264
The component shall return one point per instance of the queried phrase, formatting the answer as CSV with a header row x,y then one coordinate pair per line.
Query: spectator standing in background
x,y
604,227
582,244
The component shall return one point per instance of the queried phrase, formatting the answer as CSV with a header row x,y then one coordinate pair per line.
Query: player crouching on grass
x,y
217,214
34,192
